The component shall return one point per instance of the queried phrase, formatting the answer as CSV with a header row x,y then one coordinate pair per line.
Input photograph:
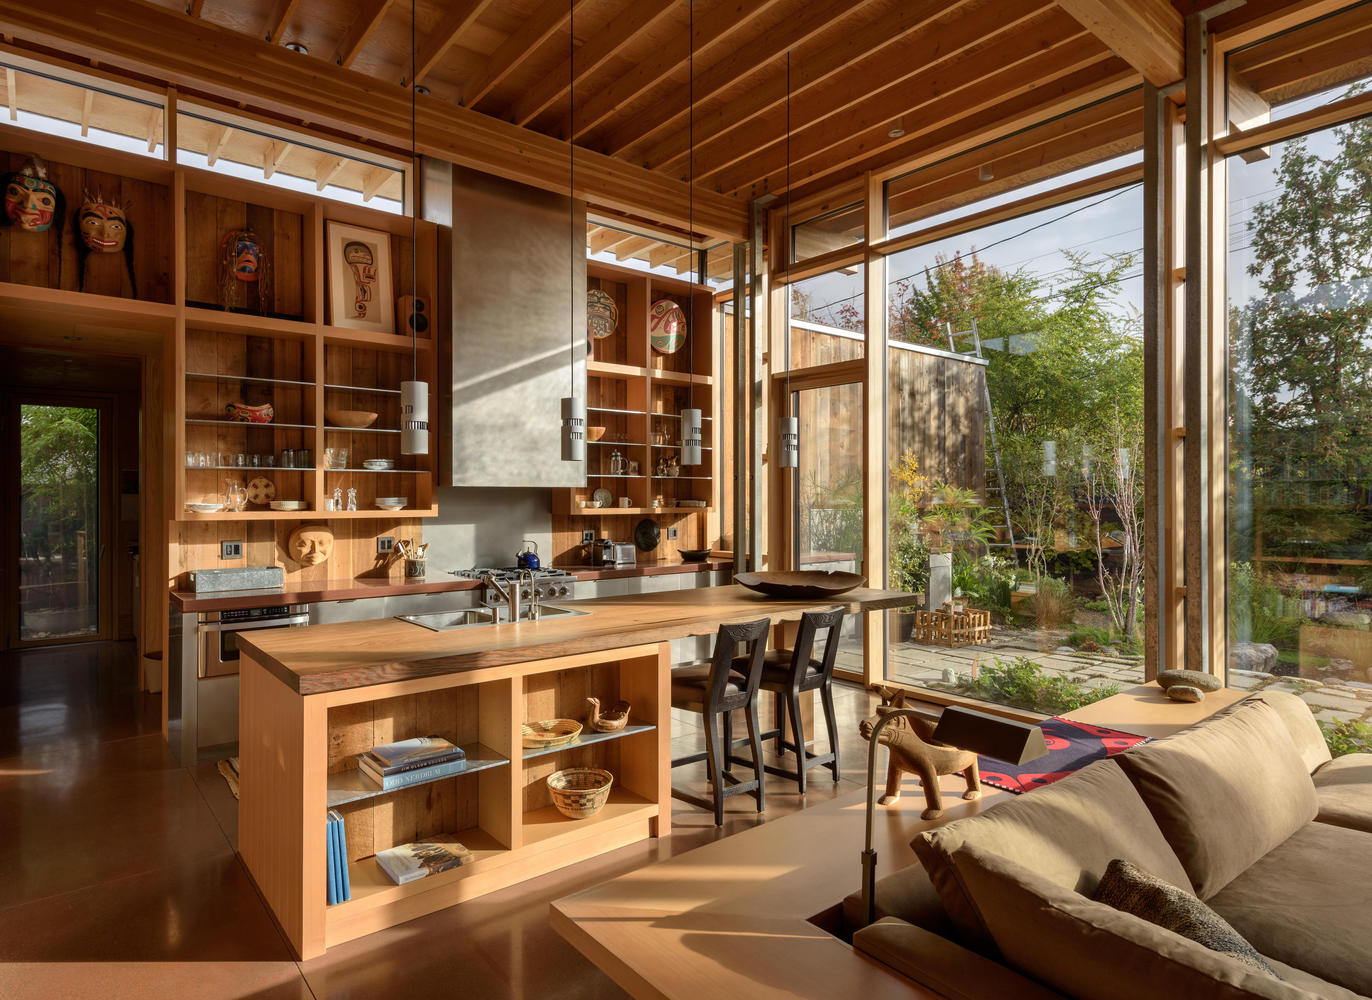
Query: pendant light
x,y
573,406
788,429
414,394
691,423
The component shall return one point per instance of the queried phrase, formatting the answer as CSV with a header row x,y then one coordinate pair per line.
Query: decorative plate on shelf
x,y
261,490
666,326
647,534
602,315
801,583
602,497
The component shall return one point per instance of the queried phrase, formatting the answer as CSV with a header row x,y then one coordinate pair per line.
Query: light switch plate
x,y
384,544
230,550
587,536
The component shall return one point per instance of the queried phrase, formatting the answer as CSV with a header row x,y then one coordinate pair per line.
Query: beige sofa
x,y
1245,810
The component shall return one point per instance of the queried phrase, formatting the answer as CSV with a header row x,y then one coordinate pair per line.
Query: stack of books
x,y
411,762
414,861
337,886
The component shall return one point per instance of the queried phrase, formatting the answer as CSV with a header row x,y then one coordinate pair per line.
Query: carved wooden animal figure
x,y
911,749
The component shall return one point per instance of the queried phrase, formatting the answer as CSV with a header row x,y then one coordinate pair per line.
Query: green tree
x,y
59,448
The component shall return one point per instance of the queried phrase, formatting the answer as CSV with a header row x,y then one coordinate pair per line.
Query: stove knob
x,y
562,591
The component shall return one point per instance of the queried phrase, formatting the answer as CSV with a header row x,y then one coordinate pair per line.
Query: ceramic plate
x,y
602,497
204,508
647,534
261,490
666,326
602,315
812,583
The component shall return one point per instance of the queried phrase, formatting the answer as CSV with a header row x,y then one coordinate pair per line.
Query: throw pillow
x,y
1131,889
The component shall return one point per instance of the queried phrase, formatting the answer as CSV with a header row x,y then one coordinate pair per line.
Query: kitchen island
x,y
312,699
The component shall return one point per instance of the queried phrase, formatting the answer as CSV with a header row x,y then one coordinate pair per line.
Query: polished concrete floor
x,y
119,879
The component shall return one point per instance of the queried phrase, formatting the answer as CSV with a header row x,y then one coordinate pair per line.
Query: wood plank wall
x,y
280,235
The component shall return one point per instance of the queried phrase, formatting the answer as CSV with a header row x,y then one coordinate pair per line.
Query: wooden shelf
x,y
243,423
329,429
587,739
377,512
547,826
375,341
353,786
371,886
211,377
359,388
612,370
249,325
251,515
681,378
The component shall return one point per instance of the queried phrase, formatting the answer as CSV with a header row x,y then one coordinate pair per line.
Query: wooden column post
x,y
874,431
756,412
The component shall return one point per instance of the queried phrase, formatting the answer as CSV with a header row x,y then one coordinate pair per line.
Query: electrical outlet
x,y
587,537
671,534
384,544
230,550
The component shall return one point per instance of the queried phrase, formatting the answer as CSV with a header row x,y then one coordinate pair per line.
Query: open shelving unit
x,y
498,807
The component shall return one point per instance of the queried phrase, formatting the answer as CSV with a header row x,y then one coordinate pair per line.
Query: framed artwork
x,y
360,295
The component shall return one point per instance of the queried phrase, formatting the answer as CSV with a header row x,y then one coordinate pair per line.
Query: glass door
x,y
828,493
57,578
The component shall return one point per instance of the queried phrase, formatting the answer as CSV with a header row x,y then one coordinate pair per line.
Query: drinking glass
x,y
240,460
340,457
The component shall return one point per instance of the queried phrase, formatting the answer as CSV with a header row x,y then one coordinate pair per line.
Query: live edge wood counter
x,y
312,699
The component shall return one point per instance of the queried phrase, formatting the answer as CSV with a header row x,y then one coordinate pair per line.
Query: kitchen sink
x,y
446,621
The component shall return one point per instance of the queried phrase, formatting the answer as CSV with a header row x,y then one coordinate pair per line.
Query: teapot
x,y
527,557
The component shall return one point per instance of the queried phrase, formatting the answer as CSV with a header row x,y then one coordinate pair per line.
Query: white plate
x,y
204,508
390,506
378,463
288,505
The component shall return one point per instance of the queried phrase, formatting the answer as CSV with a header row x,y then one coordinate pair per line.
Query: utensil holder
x,y
415,568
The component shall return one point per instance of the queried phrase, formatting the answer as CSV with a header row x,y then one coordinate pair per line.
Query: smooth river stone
x,y
1185,692
1190,678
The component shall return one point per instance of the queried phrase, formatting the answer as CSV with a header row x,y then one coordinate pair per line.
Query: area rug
x,y
229,769
1071,746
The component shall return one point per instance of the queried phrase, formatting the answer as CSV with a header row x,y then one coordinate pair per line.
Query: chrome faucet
x,y
535,610
507,593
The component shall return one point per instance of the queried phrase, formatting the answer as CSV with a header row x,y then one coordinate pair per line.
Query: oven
x,y
219,631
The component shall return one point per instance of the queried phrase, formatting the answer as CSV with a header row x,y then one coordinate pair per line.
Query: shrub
x,y
1052,603
1347,737
1022,683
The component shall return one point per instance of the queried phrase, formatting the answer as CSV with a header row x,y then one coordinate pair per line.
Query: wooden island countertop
x,y
323,658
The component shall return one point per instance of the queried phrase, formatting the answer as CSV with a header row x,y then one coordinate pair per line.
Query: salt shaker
x,y
352,499
337,502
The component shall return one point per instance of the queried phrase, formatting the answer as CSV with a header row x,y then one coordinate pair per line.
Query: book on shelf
x,y
332,882
341,856
414,777
380,767
408,751
409,862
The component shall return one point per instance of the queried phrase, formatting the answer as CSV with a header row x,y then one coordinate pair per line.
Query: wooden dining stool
x,y
716,689
789,673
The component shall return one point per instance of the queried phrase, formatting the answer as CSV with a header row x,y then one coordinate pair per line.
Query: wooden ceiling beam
x,y
814,21
1023,61
280,18
216,144
328,170
964,47
632,247
273,156
606,239
86,101
528,38
1147,34
710,30
213,62
461,15
12,94
194,7
373,182
623,31
1299,60
889,38
368,19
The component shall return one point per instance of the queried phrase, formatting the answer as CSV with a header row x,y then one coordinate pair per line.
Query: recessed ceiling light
x,y
419,88
986,172
897,128
298,47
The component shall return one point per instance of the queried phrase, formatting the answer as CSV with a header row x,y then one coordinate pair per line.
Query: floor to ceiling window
x,y
1300,451
1014,443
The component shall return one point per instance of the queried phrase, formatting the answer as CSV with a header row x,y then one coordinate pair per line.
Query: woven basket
x,y
550,733
580,792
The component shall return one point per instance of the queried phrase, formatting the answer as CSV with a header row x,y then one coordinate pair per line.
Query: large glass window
x,y
827,318
1014,441
1300,462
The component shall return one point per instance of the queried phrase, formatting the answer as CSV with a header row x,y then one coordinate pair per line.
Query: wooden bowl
x,y
693,555
595,433
350,418
580,792
802,583
550,733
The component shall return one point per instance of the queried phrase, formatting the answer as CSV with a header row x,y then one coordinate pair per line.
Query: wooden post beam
x,y
327,172
528,38
275,155
216,144
367,21
1147,34
280,19
199,57
459,18
373,181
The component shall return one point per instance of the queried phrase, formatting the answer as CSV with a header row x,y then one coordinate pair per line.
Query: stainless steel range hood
x,y
518,268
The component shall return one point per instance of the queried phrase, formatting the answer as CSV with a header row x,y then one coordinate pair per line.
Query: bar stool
x,y
717,689
788,673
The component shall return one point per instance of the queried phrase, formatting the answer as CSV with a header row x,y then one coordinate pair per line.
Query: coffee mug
x,y
625,502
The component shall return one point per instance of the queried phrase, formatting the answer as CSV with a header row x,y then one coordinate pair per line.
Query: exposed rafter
x,y
1147,34
459,17
274,156
372,183
328,170
545,22
280,19
641,15
194,7
154,128
217,144
368,19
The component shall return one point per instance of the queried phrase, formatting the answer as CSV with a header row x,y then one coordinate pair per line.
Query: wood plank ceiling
x,y
872,83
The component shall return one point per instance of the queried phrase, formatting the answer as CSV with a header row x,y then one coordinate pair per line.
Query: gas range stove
x,y
547,583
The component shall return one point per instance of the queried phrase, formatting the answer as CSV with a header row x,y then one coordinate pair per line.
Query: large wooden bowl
x,y
803,583
349,418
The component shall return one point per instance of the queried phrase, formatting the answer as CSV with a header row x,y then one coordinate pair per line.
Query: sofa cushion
x,y
907,894
1343,789
1300,725
1311,983
1127,888
1306,904
1224,793
1091,951
943,966
1068,833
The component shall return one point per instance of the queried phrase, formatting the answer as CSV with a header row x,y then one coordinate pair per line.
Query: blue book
x,y
387,782
345,892
330,862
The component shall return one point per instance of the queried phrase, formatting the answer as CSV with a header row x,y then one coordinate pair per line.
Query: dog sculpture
x,y
911,748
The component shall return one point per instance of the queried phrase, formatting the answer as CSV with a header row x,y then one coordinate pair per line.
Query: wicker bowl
x,y
580,792
550,733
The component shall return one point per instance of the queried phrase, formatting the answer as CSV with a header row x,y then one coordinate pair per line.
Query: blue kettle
x,y
527,557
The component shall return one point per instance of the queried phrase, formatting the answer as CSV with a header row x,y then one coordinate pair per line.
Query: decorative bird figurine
x,y
612,721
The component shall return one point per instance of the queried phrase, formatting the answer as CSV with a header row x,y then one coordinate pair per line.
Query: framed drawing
x,y
360,278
